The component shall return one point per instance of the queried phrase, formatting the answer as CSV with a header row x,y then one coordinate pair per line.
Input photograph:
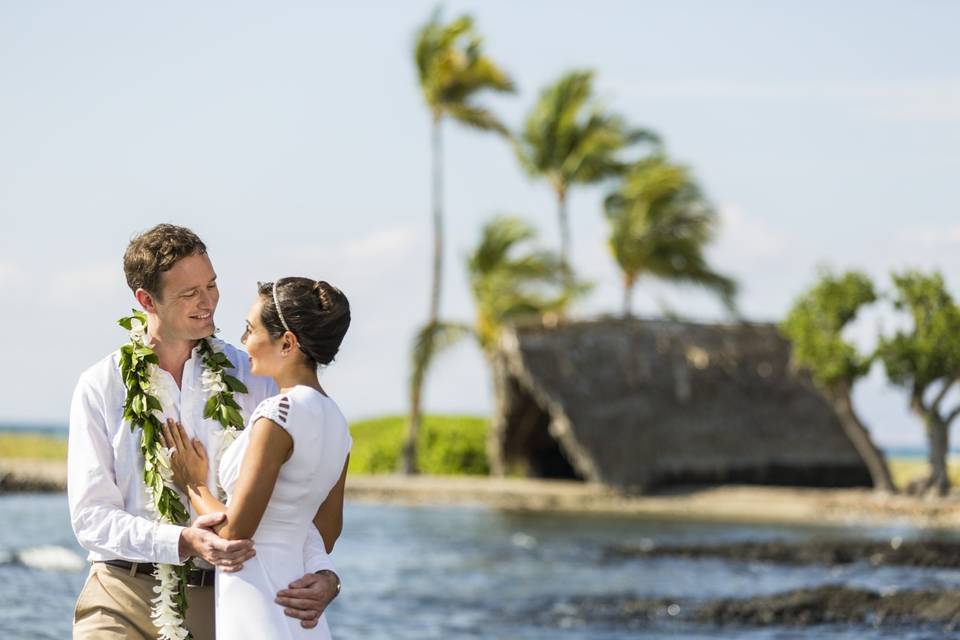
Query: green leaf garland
x,y
141,408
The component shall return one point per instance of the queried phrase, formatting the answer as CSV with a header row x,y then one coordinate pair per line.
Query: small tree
x,y
659,225
926,361
815,326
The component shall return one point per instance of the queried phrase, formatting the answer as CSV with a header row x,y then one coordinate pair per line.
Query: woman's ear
x,y
289,344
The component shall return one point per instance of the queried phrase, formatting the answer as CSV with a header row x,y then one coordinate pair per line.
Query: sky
x,y
292,137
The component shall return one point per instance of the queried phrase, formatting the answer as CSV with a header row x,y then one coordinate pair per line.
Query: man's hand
x,y
307,597
199,540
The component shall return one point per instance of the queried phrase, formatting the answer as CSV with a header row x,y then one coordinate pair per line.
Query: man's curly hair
x,y
152,252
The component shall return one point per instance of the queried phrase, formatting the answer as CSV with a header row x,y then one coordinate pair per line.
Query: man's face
x,y
190,297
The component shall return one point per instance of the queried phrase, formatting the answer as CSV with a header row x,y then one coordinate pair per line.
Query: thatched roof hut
x,y
640,403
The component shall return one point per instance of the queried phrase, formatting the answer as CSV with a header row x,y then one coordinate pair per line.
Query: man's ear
x,y
146,300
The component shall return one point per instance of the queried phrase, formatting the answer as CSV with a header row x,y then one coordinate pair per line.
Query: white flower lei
x,y
143,408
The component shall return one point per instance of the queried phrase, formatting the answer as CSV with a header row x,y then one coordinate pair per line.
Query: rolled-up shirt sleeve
x,y
97,514
315,556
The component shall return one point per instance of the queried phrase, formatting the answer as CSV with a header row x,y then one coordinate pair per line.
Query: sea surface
x,y
422,573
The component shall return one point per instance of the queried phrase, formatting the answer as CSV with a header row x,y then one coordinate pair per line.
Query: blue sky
x,y
293,139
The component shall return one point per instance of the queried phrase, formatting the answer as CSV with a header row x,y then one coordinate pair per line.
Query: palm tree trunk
x,y
497,434
628,282
409,456
565,246
862,442
437,142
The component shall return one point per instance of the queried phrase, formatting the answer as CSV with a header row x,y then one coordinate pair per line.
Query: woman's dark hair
x,y
315,311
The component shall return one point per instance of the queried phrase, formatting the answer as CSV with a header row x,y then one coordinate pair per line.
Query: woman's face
x,y
265,353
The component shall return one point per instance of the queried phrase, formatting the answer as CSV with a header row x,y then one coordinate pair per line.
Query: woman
x,y
287,469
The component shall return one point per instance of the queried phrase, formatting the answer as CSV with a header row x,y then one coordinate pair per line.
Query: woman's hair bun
x,y
317,313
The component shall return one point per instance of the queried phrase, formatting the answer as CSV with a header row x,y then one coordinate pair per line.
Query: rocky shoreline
x,y
894,552
831,604
34,476
823,605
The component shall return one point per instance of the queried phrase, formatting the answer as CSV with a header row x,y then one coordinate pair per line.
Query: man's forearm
x,y
112,532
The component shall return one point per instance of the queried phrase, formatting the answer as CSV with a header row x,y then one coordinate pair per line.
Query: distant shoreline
x,y
731,503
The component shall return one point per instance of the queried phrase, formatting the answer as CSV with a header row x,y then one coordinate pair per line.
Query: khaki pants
x,y
113,605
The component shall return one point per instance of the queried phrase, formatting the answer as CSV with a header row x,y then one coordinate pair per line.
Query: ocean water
x,y
472,572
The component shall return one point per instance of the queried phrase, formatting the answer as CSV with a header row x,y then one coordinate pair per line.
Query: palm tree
x,y
568,139
505,286
510,282
659,225
509,286
452,70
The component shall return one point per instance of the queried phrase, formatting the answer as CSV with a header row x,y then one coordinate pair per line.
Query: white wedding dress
x,y
245,606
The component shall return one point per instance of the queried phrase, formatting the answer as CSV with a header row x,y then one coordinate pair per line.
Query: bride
x,y
284,465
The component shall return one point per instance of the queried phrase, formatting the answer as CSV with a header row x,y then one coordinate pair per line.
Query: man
x,y
171,276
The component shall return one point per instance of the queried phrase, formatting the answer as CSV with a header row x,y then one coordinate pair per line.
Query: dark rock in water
x,y
913,553
831,604
835,604
626,611
825,605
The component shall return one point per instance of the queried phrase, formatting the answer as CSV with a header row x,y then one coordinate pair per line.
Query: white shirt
x,y
109,504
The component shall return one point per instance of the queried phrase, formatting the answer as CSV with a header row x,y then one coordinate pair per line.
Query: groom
x,y
171,276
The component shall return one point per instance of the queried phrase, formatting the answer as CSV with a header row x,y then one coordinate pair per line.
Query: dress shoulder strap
x,y
276,408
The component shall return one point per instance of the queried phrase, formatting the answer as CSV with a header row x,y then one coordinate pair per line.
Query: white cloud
x,y
928,237
381,244
374,253
743,236
9,275
88,283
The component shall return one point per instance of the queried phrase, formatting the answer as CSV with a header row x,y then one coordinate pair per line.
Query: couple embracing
x,y
205,481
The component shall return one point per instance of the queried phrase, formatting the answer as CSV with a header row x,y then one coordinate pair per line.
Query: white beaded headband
x,y
276,303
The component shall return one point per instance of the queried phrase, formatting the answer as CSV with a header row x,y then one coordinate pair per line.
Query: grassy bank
x,y
15,445
449,445
904,470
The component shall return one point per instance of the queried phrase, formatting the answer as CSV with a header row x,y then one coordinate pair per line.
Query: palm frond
x,y
659,225
477,117
511,280
568,137
498,237
453,69
430,341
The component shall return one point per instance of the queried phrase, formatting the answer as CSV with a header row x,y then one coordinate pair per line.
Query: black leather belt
x,y
196,577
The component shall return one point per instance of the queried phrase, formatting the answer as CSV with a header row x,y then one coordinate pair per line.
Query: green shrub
x,y
447,445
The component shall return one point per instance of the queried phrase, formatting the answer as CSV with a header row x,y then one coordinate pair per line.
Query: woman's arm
x,y
329,518
270,446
